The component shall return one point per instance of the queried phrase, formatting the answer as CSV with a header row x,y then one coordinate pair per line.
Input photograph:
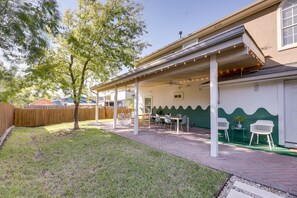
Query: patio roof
x,y
234,48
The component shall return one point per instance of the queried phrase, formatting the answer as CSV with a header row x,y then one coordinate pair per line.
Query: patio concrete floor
x,y
270,169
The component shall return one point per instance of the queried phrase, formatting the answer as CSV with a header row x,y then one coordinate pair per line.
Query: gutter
x,y
264,78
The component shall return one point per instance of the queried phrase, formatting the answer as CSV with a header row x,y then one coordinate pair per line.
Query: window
x,y
109,104
178,95
147,105
108,97
288,19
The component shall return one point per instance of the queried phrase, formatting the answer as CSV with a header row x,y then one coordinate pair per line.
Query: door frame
x,y
147,96
286,144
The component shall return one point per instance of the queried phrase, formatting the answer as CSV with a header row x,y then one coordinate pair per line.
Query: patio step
x,y
235,194
240,189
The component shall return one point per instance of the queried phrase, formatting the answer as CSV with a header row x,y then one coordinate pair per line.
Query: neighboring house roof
x,y
42,101
82,100
230,19
57,102
69,101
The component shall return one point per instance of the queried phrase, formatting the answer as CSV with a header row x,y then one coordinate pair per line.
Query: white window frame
x,y
280,46
150,97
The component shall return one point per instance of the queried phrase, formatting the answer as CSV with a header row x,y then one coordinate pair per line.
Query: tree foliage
x,y
9,85
19,91
24,27
97,40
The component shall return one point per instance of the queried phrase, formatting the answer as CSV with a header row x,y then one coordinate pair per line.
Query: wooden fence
x,y
6,117
42,117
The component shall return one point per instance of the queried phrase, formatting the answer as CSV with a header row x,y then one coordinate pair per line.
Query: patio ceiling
x,y
235,51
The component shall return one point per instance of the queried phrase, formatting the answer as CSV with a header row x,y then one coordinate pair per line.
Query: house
x,y
122,96
42,102
69,102
243,64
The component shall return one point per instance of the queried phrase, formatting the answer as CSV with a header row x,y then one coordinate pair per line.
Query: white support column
x,y
136,105
115,108
97,107
214,150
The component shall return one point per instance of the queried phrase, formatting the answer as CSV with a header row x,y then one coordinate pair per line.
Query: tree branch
x,y
4,7
72,77
83,78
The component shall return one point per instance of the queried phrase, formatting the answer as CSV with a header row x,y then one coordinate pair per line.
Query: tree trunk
x,y
76,126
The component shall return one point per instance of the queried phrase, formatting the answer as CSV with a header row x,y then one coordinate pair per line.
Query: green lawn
x,y
55,162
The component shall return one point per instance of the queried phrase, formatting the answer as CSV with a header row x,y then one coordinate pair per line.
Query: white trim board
x,y
269,77
279,27
281,111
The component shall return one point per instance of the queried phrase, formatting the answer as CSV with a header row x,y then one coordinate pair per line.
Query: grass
x,y
55,162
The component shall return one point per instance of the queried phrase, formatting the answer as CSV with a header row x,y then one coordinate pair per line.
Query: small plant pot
x,y
239,126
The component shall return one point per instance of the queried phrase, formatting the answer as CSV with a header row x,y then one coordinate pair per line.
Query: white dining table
x,y
177,119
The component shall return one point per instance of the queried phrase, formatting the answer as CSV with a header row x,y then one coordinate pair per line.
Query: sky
x,y
165,18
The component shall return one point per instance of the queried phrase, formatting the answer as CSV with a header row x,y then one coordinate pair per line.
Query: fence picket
x,y
47,116
6,116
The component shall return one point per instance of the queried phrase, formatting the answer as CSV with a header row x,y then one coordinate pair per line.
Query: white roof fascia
x,y
268,77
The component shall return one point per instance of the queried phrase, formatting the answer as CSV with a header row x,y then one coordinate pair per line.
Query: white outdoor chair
x,y
223,124
183,122
158,120
167,121
262,127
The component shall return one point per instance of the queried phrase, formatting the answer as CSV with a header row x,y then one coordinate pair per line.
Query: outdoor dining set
x,y
260,127
178,121
182,122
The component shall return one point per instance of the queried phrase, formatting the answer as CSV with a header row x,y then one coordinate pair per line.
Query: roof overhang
x,y
227,45
213,27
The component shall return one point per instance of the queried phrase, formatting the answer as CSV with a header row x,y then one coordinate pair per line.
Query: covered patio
x,y
230,52
269,169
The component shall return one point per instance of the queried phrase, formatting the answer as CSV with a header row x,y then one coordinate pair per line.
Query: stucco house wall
x,y
263,27
253,100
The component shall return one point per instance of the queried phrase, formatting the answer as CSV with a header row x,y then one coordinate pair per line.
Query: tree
x,y
24,27
9,85
98,39
19,91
